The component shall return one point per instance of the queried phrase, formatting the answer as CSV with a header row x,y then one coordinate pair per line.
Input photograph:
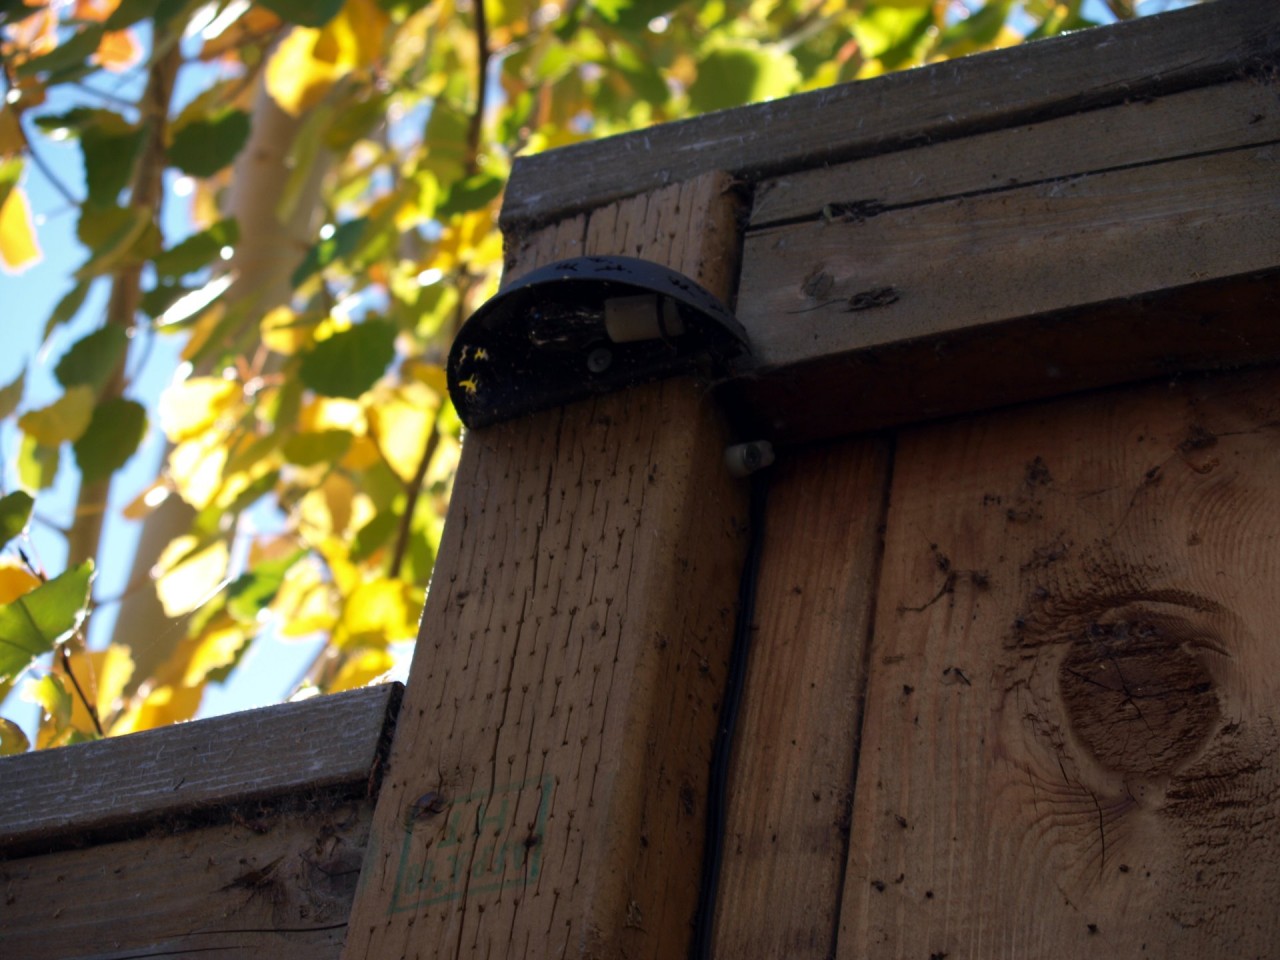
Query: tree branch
x,y
412,491
476,127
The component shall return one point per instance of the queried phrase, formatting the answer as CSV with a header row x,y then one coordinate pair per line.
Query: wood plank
x,y
1216,325
1133,133
824,289
559,717
1071,745
277,884
1037,81
791,785
129,782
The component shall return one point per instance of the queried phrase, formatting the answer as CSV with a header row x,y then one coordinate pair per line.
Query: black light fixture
x,y
583,326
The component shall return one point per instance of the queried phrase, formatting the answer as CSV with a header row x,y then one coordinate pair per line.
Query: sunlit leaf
x,y
63,420
196,468
190,407
71,53
309,62
37,464
18,247
162,705
15,513
203,147
218,646
361,669
401,422
188,579
379,613
286,332
91,360
112,437
351,361
12,739
304,602
15,581
34,623
103,676
54,699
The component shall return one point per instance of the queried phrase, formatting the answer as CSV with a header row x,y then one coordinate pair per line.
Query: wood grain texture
x,y
277,886
128,782
1148,57
547,782
824,289
1070,743
791,783
1226,116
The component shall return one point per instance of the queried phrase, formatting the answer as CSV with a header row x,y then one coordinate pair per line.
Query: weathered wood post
x,y
545,792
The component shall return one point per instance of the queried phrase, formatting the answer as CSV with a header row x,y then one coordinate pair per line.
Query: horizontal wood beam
x,y
127,783
1039,81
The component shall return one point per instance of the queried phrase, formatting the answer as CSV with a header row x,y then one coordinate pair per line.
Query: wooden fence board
x,y
824,289
548,778
277,886
1134,133
242,757
791,786
1148,57
1070,743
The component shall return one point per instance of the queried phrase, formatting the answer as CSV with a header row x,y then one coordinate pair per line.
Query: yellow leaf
x,y
18,247
361,455
64,419
195,467
217,647
303,603
332,413
361,669
192,406
160,707
15,581
378,613
400,420
307,64
285,332
188,584
334,507
430,374
103,675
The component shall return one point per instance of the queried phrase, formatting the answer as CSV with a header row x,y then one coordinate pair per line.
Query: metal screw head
x,y
598,360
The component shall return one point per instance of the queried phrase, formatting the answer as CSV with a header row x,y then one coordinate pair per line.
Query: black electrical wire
x,y
717,793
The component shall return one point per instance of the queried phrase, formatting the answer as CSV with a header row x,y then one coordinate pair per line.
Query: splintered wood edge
x,y
318,744
1033,82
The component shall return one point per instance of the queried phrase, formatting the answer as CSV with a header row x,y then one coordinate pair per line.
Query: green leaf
x,y
15,514
325,446
10,174
115,236
735,74
470,194
305,13
36,622
203,147
109,159
373,535
344,241
37,464
112,437
93,358
197,250
73,52
67,308
130,12
11,395
12,740
350,362
251,592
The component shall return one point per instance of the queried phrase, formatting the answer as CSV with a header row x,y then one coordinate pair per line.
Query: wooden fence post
x,y
546,787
